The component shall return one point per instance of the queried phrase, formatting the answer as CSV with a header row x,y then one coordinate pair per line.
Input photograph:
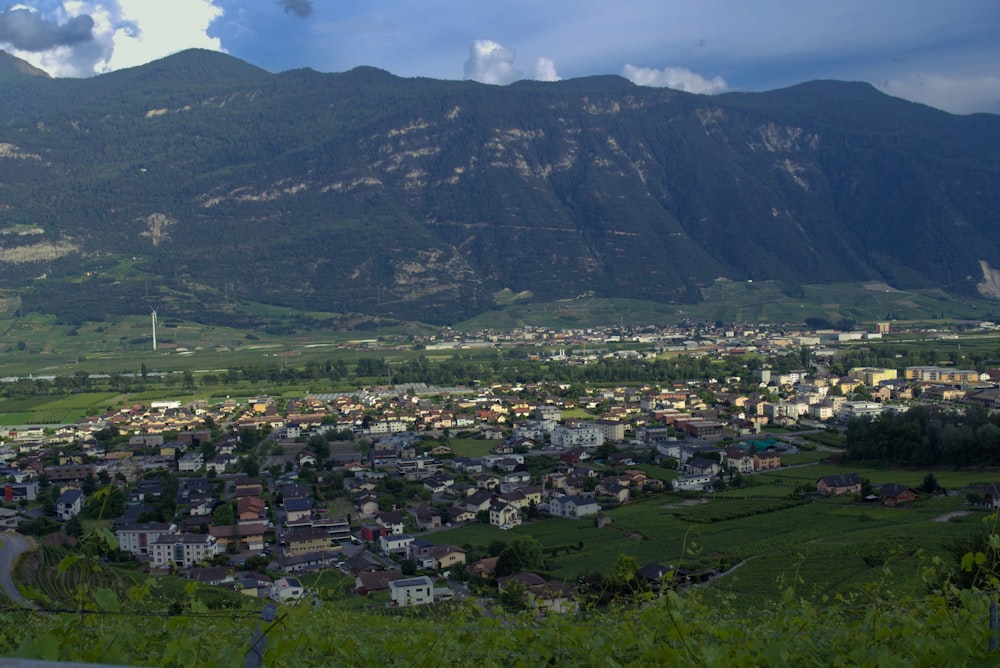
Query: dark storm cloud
x,y
26,30
301,8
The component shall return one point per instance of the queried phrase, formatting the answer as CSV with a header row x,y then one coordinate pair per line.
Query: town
x,y
252,494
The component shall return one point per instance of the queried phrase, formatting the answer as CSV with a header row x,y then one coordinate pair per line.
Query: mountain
x,y
12,66
199,182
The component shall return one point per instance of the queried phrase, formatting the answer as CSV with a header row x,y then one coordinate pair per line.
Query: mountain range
x,y
199,182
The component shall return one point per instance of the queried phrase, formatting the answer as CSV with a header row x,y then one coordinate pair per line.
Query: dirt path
x,y
948,516
12,545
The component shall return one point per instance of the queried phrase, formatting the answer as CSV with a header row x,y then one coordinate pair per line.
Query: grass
x,y
803,457
835,545
471,447
46,410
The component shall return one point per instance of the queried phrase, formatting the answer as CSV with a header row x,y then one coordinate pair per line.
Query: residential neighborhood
x,y
364,483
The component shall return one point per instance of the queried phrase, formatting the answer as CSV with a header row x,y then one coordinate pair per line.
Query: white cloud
x,y
491,63
127,33
678,78
545,70
957,94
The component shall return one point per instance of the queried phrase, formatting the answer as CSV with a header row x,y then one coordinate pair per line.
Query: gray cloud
x,y
301,8
27,30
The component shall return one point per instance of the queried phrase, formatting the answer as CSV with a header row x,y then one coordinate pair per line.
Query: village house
x,y
893,493
446,556
394,543
504,515
573,506
392,520
411,591
69,504
849,483
767,460
739,460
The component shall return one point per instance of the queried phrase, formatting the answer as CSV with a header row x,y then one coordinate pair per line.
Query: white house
x,y
412,591
287,589
696,482
190,462
69,504
395,543
574,506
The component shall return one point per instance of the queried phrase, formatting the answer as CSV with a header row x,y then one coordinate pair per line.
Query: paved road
x,y
11,546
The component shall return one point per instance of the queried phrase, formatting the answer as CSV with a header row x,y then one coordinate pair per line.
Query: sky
x,y
945,54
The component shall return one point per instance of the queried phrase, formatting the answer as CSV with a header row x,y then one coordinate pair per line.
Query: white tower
x,y
154,329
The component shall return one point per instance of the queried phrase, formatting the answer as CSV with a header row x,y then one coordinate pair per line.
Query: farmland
x,y
49,410
774,536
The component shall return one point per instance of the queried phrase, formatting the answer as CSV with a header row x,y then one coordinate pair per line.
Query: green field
x,y
735,301
46,410
471,447
833,545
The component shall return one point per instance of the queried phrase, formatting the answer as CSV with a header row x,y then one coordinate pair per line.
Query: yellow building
x,y
937,374
872,376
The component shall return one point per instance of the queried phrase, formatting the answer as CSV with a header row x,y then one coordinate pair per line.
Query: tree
x,y
862,393
73,527
224,514
523,554
319,446
514,597
930,484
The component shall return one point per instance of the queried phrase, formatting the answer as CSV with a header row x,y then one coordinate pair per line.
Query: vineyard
x,y
686,628
56,577
59,578
47,410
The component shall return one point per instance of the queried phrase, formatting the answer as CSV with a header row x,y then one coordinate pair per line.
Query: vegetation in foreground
x,y
873,627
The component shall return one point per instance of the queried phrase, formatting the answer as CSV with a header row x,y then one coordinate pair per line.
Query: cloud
x,y
677,78
545,70
24,29
301,8
955,94
122,33
491,63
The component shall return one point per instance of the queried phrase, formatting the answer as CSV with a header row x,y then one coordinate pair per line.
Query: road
x,y
11,546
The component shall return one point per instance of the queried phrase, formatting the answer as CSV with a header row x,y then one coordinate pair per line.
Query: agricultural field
x,y
471,447
772,537
57,577
49,410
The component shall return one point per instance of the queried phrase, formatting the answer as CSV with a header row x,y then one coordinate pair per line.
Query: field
x,y
773,538
471,447
46,410
38,344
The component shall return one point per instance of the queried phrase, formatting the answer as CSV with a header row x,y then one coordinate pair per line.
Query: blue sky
x,y
945,54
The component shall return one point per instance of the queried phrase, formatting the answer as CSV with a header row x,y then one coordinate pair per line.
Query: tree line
x,y
926,436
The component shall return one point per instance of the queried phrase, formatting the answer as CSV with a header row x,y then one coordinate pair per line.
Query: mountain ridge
x,y
417,198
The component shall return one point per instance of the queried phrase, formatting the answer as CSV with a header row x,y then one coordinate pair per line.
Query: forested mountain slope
x,y
198,181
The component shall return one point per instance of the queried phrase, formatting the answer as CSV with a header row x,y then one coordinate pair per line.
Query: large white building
x,y
578,435
852,409
183,549
139,538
